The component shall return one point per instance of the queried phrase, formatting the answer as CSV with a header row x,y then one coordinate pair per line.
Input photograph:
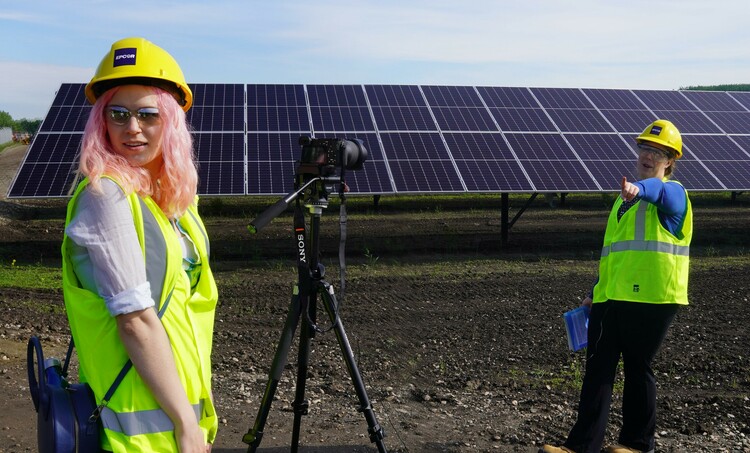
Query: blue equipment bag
x,y
67,416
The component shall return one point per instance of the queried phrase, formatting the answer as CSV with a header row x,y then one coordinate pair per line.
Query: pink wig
x,y
178,180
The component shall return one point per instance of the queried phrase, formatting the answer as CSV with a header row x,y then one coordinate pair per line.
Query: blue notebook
x,y
576,326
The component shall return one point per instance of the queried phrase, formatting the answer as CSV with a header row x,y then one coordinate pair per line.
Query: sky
x,y
638,44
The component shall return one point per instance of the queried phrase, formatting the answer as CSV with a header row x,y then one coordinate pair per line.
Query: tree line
x,y
20,126
725,87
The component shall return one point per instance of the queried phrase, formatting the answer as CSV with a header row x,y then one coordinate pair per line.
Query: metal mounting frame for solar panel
x,y
424,138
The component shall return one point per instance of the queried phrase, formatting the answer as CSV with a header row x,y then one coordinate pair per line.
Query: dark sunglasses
x,y
146,116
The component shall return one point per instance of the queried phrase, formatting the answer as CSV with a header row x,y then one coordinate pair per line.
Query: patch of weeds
x,y
371,258
566,378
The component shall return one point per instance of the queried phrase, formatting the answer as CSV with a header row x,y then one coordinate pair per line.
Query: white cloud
x,y
532,31
658,44
26,89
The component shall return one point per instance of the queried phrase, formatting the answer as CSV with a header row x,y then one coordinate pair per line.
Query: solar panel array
x,y
425,138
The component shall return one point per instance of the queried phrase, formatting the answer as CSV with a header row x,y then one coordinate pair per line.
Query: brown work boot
x,y
551,449
617,448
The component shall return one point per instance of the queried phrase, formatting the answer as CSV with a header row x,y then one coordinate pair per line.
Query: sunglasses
x,y
146,116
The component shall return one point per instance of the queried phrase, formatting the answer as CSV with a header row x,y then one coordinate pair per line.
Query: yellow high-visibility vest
x,y
133,420
641,261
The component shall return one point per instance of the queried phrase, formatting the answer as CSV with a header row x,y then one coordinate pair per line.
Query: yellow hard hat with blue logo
x,y
141,62
664,133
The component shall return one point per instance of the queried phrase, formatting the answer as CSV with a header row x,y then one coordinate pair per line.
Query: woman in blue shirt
x,y
643,275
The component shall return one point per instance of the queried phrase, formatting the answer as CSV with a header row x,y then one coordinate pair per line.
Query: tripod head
x,y
317,200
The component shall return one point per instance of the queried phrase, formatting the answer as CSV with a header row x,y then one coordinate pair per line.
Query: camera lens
x,y
353,154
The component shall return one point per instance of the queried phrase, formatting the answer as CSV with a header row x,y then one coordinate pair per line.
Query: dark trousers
x,y
635,331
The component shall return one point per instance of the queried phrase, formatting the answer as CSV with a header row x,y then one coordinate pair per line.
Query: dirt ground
x,y
459,339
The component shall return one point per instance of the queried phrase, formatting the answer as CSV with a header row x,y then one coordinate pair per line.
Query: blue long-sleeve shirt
x,y
669,198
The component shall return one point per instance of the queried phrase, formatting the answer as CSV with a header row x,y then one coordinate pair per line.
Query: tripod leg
x,y
254,435
300,404
374,429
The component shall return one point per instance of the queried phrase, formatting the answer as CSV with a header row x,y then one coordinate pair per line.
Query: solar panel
x,y
522,119
424,138
690,122
608,173
731,122
696,175
610,99
579,120
561,98
601,147
540,147
741,97
395,95
494,176
221,163
732,173
664,100
714,101
339,108
478,146
629,121
508,97
714,147
486,162
551,164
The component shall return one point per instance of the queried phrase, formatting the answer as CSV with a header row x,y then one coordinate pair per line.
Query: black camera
x,y
321,156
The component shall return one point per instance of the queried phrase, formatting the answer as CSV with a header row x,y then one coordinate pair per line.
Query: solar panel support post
x,y
505,224
504,206
303,307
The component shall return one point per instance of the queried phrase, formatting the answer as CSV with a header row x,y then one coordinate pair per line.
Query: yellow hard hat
x,y
139,61
664,133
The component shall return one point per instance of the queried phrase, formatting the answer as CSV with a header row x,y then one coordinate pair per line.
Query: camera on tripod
x,y
317,168
321,156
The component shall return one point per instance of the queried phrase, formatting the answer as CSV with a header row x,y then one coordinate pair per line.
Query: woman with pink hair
x,y
136,277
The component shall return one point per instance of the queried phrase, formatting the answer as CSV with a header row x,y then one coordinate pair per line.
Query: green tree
x,y
27,125
6,120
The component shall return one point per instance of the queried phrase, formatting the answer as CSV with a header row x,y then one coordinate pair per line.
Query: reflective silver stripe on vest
x,y
640,244
647,246
156,253
203,232
142,422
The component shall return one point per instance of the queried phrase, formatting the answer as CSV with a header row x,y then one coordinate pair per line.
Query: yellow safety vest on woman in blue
x,y
641,260
133,420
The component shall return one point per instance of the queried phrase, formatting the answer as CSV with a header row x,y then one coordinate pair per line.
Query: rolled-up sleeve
x,y
107,254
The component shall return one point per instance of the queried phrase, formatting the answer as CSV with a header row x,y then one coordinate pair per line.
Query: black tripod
x,y
303,306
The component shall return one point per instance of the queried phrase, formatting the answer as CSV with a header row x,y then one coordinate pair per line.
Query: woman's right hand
x,y
190,439
586,302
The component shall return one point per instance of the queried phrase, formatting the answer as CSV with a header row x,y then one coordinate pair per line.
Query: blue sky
x,y
655,44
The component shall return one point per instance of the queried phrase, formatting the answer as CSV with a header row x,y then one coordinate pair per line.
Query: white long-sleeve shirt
x,y
106,254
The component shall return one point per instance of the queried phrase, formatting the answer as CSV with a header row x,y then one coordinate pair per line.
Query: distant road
x,y
10,160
